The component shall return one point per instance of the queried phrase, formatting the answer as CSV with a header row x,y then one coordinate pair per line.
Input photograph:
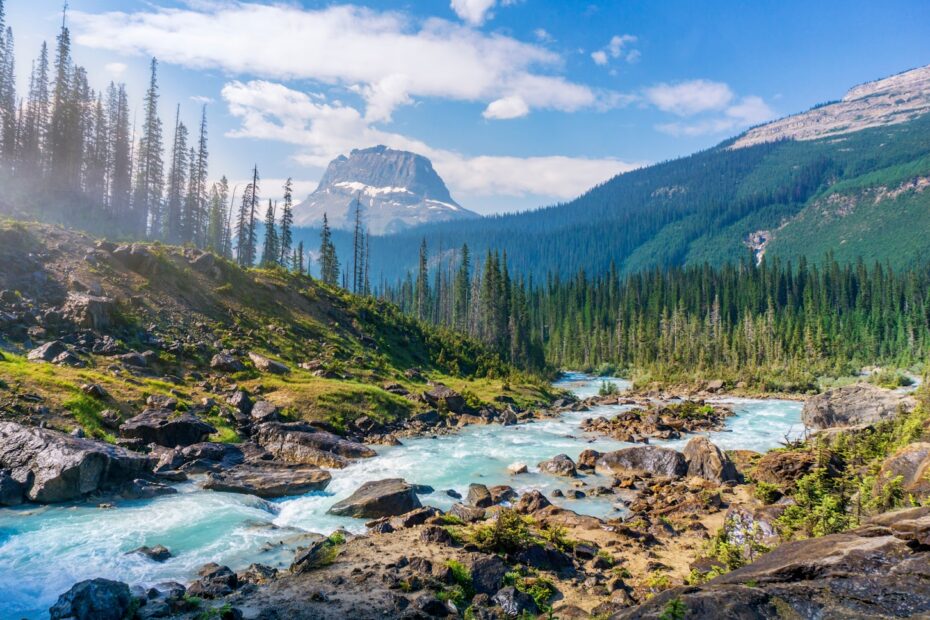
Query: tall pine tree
x,y
147,195
287,222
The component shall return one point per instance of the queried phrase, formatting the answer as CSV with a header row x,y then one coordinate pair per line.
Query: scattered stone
x,y
531,502
479,496
215,581
446,399
437,535
145,489
93,599
515,603
68,359
378,498
241,400
225,362
89,311
588,459
517,468
559,465
487,574
265,411
468,514
158,553
268,365
161,401
95,390
47,352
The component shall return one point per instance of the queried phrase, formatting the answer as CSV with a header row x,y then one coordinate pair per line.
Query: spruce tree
x,y
298,262
245,226
270,251
120,166
422,285
197,218
62,123
8,127
174,228
287,222
462,288
329,262
216,226
147,195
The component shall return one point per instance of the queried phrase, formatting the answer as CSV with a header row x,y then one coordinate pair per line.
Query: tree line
x,y
774,320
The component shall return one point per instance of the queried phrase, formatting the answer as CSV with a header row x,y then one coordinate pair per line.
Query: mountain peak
x,y
397,190
888,101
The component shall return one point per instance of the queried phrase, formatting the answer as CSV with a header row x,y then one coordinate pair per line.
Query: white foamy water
x,y
45,550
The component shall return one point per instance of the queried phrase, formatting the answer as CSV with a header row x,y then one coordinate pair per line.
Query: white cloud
x,y
203,99
689,98
115,69
746,112
617,47
392,56
472,11
322,130
507,107
542,35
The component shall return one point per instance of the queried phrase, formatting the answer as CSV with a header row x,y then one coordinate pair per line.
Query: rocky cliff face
x,y
893,100
396,190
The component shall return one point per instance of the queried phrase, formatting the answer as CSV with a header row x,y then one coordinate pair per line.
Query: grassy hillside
x,y
185,307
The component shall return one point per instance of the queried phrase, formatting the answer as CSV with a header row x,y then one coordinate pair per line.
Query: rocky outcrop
x,y
853,405
652,460
268,479
664,421
298,442
707,461
166,428
47,352
378,498
878,570
94,599
54,467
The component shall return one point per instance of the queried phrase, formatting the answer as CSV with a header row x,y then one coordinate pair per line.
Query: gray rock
x,y
853,405
54,467
265,364
378,498
11,490
47,352
215,581
158,553
264,411
69,359
94,599
487,574
514,603
298,442
269,479
166,428
652,460
479,496
559,465
146,489
226,363
89,311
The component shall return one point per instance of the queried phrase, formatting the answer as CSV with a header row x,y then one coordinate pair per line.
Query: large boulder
x,y
226,362
707,461
94,599
878,570
12,491
54,467
89,311
853,405
559,465
298,442
653,460
378,498
269,479
166,428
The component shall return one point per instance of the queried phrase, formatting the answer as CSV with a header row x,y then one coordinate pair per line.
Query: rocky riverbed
x,y
199,525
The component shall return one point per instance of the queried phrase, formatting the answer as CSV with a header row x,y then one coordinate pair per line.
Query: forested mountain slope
x,y
854,194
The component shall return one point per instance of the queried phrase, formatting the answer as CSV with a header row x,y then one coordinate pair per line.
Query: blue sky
x,y
519,103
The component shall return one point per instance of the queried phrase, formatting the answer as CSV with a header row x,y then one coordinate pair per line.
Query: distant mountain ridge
x,y
849,178
396,189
